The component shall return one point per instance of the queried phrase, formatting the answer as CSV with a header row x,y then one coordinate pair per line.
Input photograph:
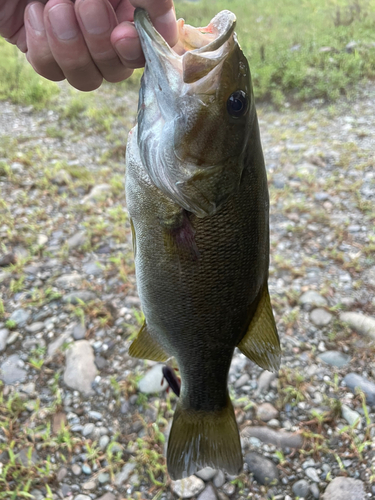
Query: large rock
x,y
365,325
345,488
353,380
188,487
80,370
264,471
10,372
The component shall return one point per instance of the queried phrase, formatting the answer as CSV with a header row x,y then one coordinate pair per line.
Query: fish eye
x,y
237,104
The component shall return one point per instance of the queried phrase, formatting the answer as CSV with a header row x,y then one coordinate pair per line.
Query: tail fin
x,y
200,438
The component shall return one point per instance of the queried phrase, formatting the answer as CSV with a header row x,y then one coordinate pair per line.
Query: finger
x,y
163,17
97,20
124,10
11,17
125,39
39,54
68,46
19,39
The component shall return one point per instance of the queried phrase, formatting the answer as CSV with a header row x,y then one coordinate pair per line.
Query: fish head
x,y
196,112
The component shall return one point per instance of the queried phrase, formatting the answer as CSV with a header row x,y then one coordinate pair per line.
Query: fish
x,y
198,203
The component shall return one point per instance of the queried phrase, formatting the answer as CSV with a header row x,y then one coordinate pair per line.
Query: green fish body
x,y
197,196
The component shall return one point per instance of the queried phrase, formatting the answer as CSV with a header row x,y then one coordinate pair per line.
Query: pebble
x,y
229,489
77,240
93,268
242,380
97,193
42,239
103,478
35,327
206,474
62,177
107,496
264,471
264,382
312,474
75,297
56,344
153,381
23,457
96,415
68,280
314,488
334,358
20,316
80,370
89,485
86,469
12,338
188,487
280,439
351,416
320,317
365,325
76,469
353,380
266,412
345,488
122,476
103,442
62,473
301,488
10,372
219,479
4,333
209,493
82,497
88,429
312,298
79,331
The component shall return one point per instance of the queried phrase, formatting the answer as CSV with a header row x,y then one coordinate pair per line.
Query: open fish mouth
x,y
198,50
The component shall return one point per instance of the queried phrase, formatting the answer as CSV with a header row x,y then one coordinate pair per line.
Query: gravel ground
x,y
79,418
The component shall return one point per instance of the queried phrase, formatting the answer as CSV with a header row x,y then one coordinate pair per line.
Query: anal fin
x,y
145,347
261,342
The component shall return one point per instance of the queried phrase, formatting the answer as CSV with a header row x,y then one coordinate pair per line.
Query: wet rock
x,y
122,476
301,488
312,474
334,358
353,380
75,297
68,280
351,416
206,474
79,331
80,370
320,317
365,325
4,333
219,479
209,493
98,192
266,412
264,471
10,372
20,316
153,381
77,240
264,382
312,298
345,488
93,268
280,439
188,487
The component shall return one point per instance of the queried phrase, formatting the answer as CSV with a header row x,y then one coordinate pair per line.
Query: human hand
x,y
84,41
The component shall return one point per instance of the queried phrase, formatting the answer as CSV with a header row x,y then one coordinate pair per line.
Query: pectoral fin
x,y
261,342
145,347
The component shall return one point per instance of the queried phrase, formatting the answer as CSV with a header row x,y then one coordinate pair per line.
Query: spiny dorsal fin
x,y
261,342
145,347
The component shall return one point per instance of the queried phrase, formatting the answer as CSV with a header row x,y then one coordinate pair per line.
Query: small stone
x,y
42,240
314,488
95,415
320,317
20,316
312,474
76,469
351,416
56,344
36,495
77,240
312,298
280,439
264,381
89,485
26,458
301,488
209,493
68,280
219,479
103,478
242,380
62,473
88,429
93,268
334,358
7,259
12,338
61,178
35,327
206,474
76,297
103,442
4,333
122,476
266,412
80,370
364,325
10,373
107,496
153,381
86,469
274,423
82,497
229,489
345,488
353,380
79,331
188,487
98,192
264,471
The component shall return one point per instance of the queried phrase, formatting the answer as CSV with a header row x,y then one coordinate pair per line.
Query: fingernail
x,y
129,48
167,27
63,21
95,17
35,18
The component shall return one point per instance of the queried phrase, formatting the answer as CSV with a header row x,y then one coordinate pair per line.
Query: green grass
x,y
283,42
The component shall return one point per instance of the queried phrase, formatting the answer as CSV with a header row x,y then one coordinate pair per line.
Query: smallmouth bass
x,y
197,197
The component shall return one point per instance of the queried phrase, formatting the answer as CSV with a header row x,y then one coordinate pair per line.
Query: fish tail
x,y
201,438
